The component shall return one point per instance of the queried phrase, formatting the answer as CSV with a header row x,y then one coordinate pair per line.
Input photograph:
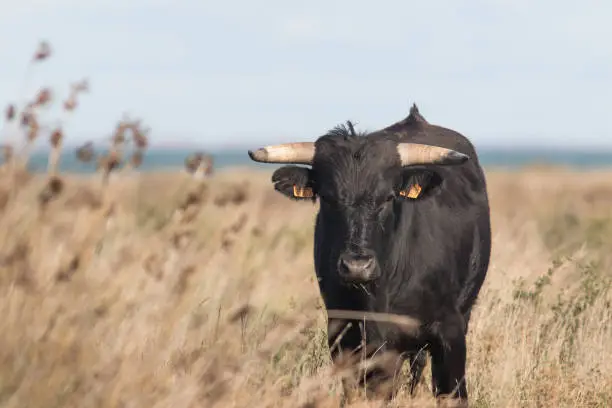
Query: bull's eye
x,y
390,197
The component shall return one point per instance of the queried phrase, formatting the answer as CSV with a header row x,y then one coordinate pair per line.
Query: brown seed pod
x,y
10,112
26,117
70,104
119,137
85,153
56,138
43,51
193,161
52,189
43,97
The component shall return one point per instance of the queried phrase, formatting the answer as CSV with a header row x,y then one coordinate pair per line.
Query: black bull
x,y
402,229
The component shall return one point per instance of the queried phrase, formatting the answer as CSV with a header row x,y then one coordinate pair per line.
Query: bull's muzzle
x,y
358,268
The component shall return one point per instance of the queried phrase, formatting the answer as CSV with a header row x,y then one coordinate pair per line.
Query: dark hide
x,y
430,254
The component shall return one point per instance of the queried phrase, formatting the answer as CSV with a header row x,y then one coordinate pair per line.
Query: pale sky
x,y
250,72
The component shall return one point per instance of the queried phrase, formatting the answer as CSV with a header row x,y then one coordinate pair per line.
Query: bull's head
x,y
358,181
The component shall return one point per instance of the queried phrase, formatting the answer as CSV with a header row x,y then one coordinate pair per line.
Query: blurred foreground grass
x,y
223,310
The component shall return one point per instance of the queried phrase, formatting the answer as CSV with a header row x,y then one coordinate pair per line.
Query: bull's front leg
x,y
448,359
417,364
369,364
344,340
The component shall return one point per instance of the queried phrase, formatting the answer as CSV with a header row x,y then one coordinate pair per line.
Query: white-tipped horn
x,y
415,153
299,153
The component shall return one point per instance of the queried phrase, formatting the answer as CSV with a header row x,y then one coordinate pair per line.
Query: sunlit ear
x,y
294,182
419,184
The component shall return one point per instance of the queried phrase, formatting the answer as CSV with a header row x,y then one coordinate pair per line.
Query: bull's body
x,y
431,253
435,259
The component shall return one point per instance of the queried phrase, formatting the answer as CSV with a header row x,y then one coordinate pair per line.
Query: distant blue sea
x,y
173,159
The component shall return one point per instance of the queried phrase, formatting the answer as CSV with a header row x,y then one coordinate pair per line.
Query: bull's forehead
x,y
356,169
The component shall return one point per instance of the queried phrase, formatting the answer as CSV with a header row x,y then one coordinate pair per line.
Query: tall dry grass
x,y
211,300
194,290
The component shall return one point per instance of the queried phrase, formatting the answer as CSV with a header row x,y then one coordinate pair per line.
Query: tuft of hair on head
x,y
345,130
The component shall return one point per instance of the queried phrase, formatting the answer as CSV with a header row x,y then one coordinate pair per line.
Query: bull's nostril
x,y
358,263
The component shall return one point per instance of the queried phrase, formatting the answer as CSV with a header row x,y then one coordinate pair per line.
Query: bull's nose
x,y
356,267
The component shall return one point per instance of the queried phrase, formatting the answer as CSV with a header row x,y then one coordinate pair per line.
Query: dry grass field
x,y
139,304
167,290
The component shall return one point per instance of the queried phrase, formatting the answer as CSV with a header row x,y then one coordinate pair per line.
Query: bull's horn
x,y
415,153
298,153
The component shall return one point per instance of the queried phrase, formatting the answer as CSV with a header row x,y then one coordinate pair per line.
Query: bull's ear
x,y
419,184
294,182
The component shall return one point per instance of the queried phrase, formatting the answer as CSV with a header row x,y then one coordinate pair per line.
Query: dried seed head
x,y
193,161
85,153
56,185
80,86
56,138
43,51
52,189
119,136
194,198
43,97
136,159
70,104
10,112
26,117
